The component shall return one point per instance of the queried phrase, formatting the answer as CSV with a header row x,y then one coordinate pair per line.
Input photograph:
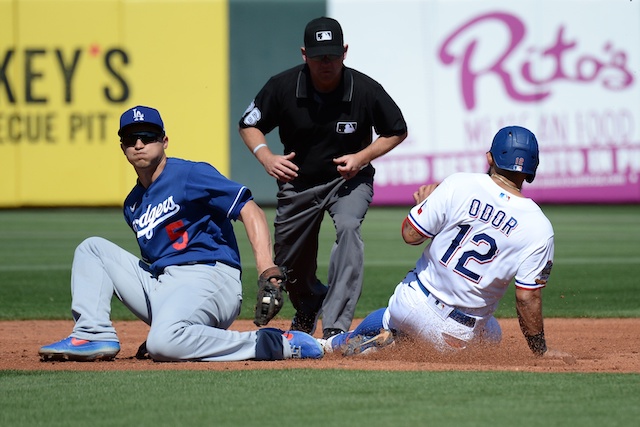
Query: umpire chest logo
x,y
346,127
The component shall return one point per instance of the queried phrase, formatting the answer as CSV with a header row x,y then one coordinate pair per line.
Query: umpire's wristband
x,y
259,146
537,343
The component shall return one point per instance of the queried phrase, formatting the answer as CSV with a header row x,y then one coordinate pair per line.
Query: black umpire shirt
x,y
320,127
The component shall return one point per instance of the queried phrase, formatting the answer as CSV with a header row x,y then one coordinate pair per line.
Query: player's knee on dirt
x,y
165,343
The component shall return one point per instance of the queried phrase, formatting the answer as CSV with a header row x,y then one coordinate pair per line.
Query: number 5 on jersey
x,y
180,238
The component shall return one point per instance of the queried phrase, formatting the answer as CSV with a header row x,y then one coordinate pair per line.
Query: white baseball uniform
x,y
482,238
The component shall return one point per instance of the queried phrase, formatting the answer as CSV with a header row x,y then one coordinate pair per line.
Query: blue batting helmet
x,y
515,148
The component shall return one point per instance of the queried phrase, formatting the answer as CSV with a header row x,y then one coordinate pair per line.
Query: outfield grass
x,y
595,275
317,398
596,268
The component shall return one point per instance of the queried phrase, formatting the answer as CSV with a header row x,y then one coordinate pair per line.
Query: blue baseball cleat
x,y
80,350
303,345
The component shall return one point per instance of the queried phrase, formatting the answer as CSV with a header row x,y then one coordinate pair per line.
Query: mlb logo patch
x,y
346,127
324,36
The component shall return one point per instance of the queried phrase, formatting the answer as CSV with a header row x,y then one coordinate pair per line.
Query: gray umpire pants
x,y
299,215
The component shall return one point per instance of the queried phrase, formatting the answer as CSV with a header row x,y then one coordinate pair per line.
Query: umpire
x,y
326,114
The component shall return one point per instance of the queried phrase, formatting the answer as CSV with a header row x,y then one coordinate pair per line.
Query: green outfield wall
x,y
264,38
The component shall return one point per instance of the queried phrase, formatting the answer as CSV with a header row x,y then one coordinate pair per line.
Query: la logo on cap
x,y
323,36
138,115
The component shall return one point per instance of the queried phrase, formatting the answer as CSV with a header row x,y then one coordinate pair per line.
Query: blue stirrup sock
x,y
269,345
370,326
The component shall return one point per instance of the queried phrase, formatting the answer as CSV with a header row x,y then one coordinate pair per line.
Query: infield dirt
x,y
598,345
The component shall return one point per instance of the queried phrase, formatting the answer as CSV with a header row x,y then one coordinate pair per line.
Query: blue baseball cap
x,y
141,114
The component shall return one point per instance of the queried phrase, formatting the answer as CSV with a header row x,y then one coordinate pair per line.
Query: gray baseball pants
x,y
299,215
188,307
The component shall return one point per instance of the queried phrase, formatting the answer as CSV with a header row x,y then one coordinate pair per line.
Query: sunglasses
x,y
131,139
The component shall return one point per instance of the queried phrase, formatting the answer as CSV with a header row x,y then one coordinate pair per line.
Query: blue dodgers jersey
x,y
184,217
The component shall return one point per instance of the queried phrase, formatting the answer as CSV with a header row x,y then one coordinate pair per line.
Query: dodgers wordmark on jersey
x,y
166,221
485,237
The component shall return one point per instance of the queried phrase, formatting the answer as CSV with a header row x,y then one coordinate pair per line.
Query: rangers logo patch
x,y
545,273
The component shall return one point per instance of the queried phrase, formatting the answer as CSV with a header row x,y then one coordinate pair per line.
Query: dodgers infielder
x,y
188,288
484,234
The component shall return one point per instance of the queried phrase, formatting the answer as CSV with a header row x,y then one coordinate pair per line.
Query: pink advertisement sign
x,y
463,70
579,175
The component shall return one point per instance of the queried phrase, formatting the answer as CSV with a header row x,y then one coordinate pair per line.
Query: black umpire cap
x,y
323,36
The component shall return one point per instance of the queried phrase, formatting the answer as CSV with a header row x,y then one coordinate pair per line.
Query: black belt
x,y
455,314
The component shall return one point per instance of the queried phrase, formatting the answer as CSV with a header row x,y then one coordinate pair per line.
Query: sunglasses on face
x,y
131,139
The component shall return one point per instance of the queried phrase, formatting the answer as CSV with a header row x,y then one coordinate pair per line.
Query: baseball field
x,y
591,306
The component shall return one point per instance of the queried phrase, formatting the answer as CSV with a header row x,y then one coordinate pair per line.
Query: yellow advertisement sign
x,y
68,69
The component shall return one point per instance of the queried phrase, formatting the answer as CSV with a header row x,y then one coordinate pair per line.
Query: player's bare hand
x,y
348,165
280,167
423,192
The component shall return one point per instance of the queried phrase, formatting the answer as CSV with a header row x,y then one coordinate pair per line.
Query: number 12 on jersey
x,y
479,241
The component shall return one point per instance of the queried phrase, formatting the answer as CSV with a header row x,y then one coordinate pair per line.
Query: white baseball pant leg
x,y
409,312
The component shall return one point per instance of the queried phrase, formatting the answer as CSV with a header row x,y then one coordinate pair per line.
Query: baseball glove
x,y
269,300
